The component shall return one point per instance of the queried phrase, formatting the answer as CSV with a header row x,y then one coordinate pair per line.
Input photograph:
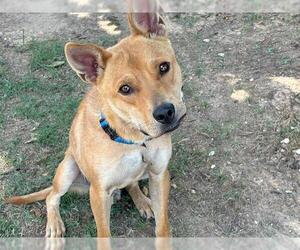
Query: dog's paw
x,y
55,227
143,204
55,244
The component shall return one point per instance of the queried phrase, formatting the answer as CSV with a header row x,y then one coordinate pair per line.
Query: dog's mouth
x,y
166,130
174,126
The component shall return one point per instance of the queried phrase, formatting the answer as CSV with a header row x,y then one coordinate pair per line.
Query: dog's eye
x,y
125,89
164,68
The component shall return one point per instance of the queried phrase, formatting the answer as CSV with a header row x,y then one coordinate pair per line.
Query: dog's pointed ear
x,y
145,18
87,60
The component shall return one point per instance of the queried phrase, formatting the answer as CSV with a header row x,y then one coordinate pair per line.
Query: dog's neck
x,y
123,129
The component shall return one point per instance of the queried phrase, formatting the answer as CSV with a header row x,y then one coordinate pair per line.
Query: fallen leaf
x,y
56,64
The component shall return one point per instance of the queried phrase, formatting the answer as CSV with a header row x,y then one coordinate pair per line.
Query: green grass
x,y
291,131
2,118
232,194
189,20
204,104
47,96
199,70
286,60
250,19
217,174
43,54
185,157
3,69
218,131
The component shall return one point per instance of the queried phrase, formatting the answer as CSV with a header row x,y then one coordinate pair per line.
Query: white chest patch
x,y
135,163
132,160
128,169
158,159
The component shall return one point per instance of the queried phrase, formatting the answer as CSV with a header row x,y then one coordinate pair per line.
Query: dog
x,y
121,131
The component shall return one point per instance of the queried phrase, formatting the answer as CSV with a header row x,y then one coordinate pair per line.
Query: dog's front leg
x,y
101,203
159,185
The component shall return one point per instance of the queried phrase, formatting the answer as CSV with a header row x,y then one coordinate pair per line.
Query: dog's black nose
x,y
164,113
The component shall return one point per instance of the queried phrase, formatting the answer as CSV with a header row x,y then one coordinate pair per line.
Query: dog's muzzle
x,y
174,125
164,113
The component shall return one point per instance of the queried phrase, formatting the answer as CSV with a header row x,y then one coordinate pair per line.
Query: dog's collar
x,y
113,134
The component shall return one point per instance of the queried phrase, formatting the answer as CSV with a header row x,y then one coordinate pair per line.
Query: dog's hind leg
x,y
66,173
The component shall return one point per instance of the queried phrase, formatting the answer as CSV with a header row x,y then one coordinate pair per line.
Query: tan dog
x,y
136,86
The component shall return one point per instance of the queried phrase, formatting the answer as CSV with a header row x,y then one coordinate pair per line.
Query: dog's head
x,y
138,79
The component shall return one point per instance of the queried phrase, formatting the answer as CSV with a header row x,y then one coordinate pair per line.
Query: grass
x,y
189,20
43,54
292,132
232,194
218,131
250,19
45,98
218,175
184,158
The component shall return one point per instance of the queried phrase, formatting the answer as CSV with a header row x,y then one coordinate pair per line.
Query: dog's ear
x,y
145,18
87,60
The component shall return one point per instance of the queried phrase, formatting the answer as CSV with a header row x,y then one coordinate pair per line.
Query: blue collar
x,y
112,133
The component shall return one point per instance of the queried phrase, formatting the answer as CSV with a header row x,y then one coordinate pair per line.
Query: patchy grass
x,y
44,101
218,131
189,20
292,132
44,54
217,174
3,69
251,19
186,157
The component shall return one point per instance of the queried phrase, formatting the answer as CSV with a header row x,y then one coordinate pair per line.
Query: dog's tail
x,y
29,198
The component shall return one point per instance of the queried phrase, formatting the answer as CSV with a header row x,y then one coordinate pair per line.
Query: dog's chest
x,y
155,157
135,164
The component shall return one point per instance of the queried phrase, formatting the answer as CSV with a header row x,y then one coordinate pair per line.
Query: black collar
x,y
113,134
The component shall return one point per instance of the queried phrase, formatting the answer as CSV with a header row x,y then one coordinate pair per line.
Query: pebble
x,y
212,153
240,95
206,40
297,151
193,191
173,185
258,181
213,166
221,54
288,191
286,141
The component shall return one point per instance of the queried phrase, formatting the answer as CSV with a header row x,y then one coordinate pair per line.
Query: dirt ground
x,y
235,168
